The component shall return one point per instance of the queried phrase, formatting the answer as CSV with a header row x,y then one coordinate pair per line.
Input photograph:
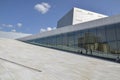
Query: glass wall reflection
x,y
105,39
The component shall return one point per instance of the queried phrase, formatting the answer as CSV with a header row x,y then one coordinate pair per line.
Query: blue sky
x,y
31,16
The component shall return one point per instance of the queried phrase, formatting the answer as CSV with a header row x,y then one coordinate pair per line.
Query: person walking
x,y
91,51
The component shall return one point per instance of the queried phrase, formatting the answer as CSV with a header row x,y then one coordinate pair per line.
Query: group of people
x,y
87,50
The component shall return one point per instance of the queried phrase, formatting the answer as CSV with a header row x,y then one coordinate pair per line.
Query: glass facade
x,y
102,41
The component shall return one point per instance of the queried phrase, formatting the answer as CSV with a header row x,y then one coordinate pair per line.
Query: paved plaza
x,y
22,61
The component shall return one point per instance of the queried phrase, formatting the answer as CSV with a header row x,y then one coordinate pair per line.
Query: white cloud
x,y
48,29
19,24
42,7
42,30
13,30
7,25
10,25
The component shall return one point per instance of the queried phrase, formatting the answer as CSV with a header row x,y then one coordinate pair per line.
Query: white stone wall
x,y
76,16
80,16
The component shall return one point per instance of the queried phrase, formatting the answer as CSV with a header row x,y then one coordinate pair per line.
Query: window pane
x,y
110,33
77,36
59,40
101,34
65,40
71,39
119,47
118,31
92,38
83,39
113,47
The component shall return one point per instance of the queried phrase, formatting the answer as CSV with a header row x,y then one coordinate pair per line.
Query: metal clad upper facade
x,y
66,20
76,15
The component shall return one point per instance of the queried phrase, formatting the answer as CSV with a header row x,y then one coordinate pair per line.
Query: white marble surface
x,y
16,56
